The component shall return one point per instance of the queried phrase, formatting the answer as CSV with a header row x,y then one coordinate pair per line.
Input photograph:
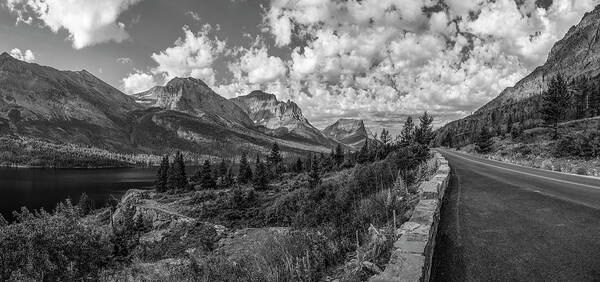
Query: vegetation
x,y
328,207
556,101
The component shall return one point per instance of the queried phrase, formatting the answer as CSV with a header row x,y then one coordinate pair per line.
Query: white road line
x,y
526,173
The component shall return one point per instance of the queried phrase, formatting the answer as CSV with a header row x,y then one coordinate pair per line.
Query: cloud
x,y
385,59
88,22
26,56
195,16
260,67
191,56
138,82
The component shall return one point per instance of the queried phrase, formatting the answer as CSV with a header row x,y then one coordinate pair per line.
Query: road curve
x,y
503,222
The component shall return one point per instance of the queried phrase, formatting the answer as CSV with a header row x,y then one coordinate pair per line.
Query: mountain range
x,y
575,57
75,107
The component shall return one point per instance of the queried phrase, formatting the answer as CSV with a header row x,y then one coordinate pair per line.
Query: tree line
x,y
171,174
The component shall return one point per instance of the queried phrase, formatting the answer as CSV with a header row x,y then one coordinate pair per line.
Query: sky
x,y
376,60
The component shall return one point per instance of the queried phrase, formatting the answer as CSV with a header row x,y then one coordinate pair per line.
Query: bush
x,y
51,247
584,145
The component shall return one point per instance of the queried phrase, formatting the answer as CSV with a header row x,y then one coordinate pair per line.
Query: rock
x,y
371,267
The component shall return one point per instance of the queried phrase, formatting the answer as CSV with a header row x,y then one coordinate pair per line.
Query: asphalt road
x,y
502,222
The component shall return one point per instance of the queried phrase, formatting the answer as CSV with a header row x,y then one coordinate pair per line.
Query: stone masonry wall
x,y
413,251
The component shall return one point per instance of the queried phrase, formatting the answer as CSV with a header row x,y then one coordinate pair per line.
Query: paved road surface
x,y
503,222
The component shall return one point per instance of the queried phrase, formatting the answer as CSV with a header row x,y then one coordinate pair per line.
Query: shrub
x,y
581,170
51,247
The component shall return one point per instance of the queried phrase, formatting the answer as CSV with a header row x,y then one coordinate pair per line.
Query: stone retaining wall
x,y
413,251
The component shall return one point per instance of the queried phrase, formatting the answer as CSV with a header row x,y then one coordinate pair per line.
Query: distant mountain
x,y
68,106
281,119
576,56
351,132
194,97
75,107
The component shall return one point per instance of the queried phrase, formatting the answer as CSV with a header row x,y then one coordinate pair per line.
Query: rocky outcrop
x,y
351,132
278,118
413,251
194,97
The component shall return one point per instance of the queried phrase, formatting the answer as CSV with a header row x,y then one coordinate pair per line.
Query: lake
x,y
36,188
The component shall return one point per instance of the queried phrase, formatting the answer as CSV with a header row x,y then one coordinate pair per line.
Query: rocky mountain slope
x,y
278,118
351,132
68,106
575,56
75,107
194,97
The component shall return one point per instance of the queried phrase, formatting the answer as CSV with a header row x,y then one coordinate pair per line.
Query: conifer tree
x,y
424,133
177,178
275,157
298,166
162,175
261,180
222,170
594,101
207,182
407,135
339,155
484,142
245,172
555,104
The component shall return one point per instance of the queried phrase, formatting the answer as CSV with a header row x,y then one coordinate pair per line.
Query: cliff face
x,y
577,54
278,118
194,97
351,132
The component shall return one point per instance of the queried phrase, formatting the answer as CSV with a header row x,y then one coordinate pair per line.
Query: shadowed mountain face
x,y
65,106
78,108
575,56
281,119
350,132
194,97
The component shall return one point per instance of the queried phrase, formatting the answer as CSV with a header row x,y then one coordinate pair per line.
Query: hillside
x,y
575,57
77,111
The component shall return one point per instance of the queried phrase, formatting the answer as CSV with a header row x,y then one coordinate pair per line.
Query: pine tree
x,y
261,180
207,182
222,170
407,135
579,100
162,175
315,173
363,154
509,123
339,155
275,157
484,142
424,133
177,178
245,172
298,166
555,104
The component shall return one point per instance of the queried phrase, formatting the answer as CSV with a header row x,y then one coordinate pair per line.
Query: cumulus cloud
x,y
385,59
26,55
190,56
125,60
88,22
138,82
260,67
